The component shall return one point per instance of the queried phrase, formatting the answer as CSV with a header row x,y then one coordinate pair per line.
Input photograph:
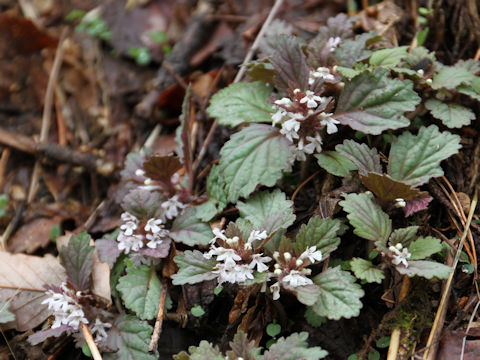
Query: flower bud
x,y
278,272
299,262
277,266
287,256
399,246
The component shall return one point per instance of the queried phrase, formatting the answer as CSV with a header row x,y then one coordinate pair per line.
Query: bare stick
x,y
394,344
431,346
90,342
158,323
239,76
47,111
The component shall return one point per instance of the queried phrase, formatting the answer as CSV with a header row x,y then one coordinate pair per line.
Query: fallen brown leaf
x,y
22,281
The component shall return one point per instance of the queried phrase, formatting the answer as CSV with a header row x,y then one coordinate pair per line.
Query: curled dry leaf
x,y
22,279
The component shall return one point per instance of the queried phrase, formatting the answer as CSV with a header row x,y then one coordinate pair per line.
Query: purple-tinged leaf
x,y
415,159
372,103
107,247
387,190
319,232
188,229
193,268
352,51
143,204
290,64
130,338
366,160
367,218
41,336
294,347
307,294
426,269
242,347
133,162
204,351
339,296
416,204
161,169
160,252
77,259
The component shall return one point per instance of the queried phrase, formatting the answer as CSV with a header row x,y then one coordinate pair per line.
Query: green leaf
x,y
268,211
426,269
307,294
347,72
5,315
141,291
256,155
365,270
415,159
383,342
365,160
404,236
372,102
273,329
294,347
193,268
389,57
204,351
242,348
340,295
452,115
130,338
241,102
187,229
314,319
319,232
335,163
368,218
77,259
197,311
450,77
423,247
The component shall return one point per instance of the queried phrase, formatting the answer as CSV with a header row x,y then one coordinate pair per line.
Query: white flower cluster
x,y
66,309
98,330
172,207
131,236
333,43
293,273
291,113
400,254
231,267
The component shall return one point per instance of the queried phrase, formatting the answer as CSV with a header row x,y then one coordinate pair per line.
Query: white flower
x,y
278,116
233,273
311,254
171,207
154,240
126,216
126,243
333,43
299,154
322,73
400,203
314,145
400,257
257,235
259,261
283,101
140,172
311,99
275,289
290,129
153,225
99,330
229,256
329,122
295,278
65,309
219,234
129,227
